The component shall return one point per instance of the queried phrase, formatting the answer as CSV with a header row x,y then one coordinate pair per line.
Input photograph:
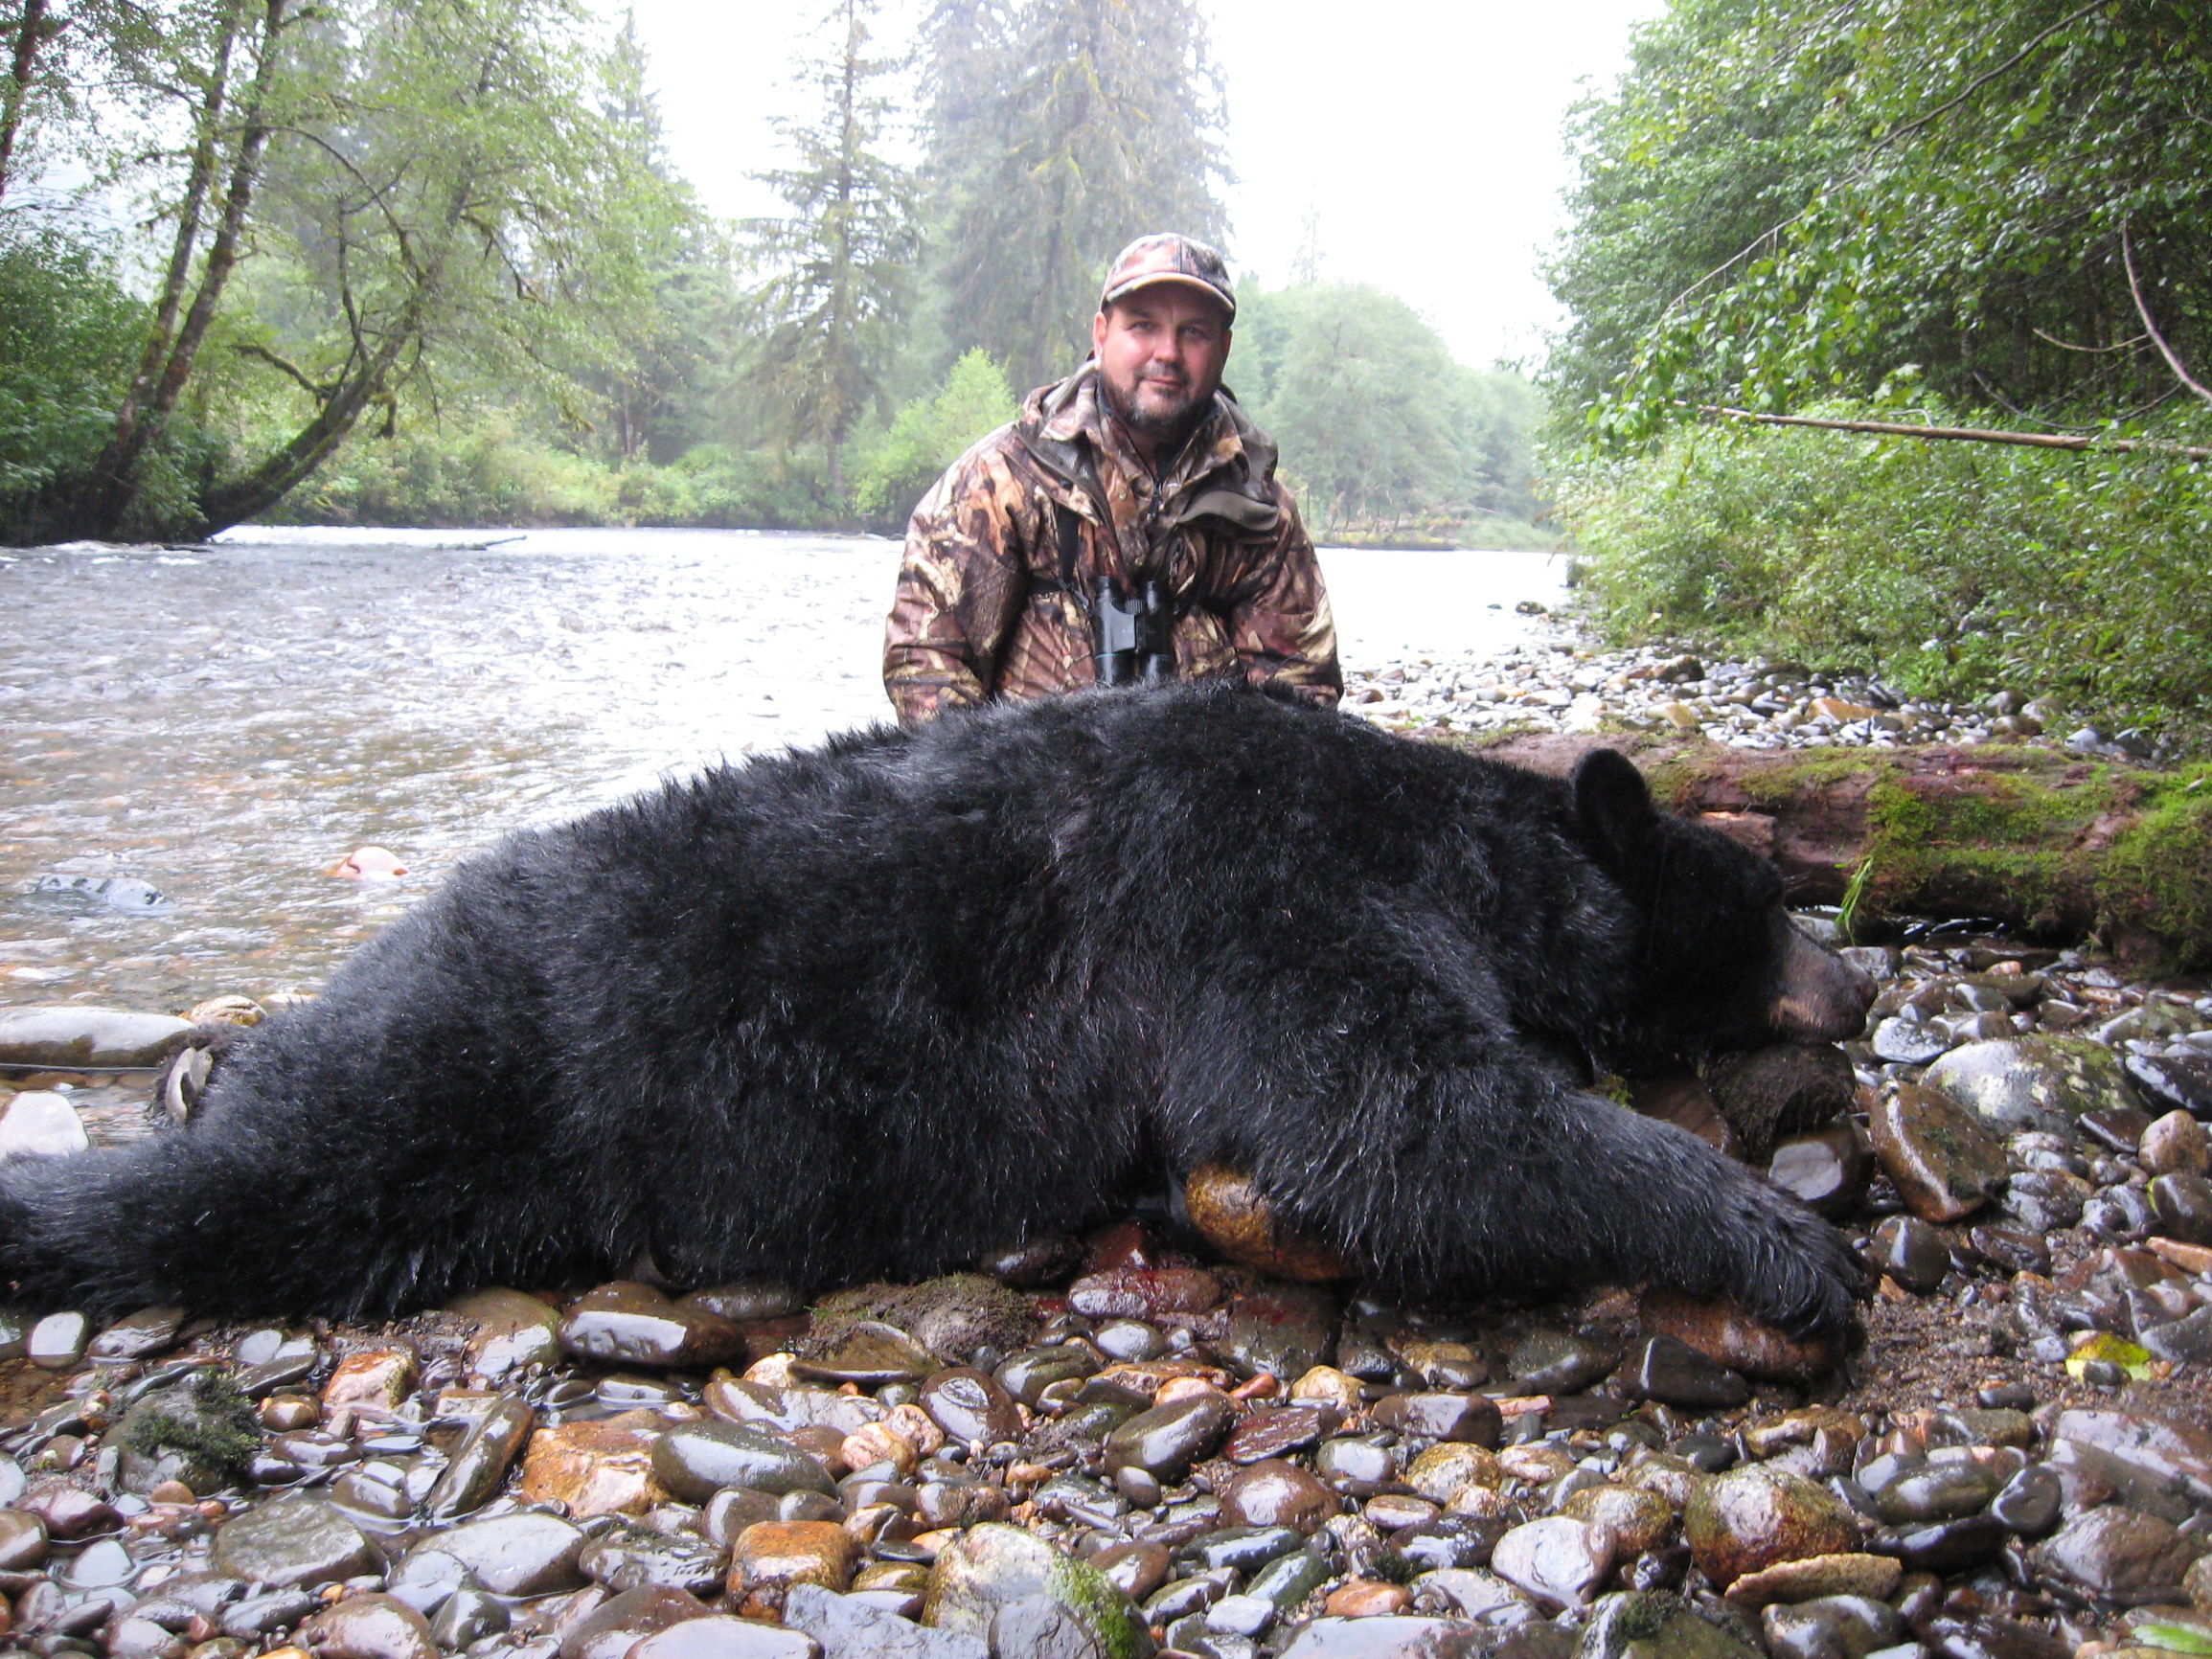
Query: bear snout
x,y
1824,999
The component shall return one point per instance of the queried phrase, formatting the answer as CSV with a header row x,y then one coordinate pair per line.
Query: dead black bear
x,y
879,1008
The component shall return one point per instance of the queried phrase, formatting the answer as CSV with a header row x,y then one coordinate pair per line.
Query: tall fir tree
x,y
1058,130
666,348
843,259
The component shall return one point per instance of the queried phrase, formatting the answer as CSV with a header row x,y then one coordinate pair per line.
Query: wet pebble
x,y
520,1554
368,1628
591,1468
1757,1516
1668,1370
1560,1362
1283,1329
1275,1493
2030,1082
1165,1440
869,1353
848,1627
1828,1628
695,1460
1910,1252
970,1405
630,1323
1559,1560
1273,1433
293,1541
609,1629
57,1342
991,1567
1944,1162
1827,1169
511,1332
2182,1208
2119,1553
1447,1417
482,1460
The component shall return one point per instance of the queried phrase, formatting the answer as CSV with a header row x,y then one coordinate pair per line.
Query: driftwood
x,y
2065,848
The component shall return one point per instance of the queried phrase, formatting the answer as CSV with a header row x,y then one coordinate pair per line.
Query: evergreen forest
x,y
426,261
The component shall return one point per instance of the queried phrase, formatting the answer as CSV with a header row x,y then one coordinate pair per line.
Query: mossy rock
x,y
951,1316
201,1431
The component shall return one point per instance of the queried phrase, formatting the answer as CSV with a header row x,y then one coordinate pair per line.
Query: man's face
x,y
1160,351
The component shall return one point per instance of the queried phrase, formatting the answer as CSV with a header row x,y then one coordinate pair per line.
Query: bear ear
x,y
1612,805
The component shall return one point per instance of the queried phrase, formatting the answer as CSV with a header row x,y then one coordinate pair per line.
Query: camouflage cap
x,y
1165,257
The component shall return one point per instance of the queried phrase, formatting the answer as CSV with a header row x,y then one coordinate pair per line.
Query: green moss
x,y
2027,838
1103,1611
2158,877
1643,1618
208,1420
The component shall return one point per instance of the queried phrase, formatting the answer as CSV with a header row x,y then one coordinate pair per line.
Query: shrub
x,y
929,435
1949,568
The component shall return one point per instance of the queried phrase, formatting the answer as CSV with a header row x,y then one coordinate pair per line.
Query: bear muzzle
x,y
1824,999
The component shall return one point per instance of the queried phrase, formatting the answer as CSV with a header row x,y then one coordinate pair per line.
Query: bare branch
x,y
2126,345
2143,311
1965,434
319,391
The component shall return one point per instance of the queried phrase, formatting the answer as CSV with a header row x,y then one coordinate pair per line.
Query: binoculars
x,y
1135,633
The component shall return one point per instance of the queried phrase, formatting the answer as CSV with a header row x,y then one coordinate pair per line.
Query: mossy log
x,y
2065,848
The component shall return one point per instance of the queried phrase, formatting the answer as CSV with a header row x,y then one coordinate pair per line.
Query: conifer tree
x,y
830,313
1059,130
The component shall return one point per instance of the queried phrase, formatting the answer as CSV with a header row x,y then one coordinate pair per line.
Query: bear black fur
x,y
882,1008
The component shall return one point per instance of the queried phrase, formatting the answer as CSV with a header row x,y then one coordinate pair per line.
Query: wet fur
x,y
883,1007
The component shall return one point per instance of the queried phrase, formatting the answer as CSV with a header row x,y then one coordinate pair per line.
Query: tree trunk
x,y
366,379
119,466
198,179
31,32
2063,847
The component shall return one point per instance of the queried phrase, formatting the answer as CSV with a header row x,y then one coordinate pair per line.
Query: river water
x,y
208,731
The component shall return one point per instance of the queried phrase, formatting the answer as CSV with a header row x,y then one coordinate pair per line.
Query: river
x,y
207,731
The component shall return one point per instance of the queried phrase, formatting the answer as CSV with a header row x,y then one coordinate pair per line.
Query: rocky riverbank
x,y
1104,1446
1563,683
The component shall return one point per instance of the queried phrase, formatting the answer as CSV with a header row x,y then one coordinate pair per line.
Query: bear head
x,y
1717,963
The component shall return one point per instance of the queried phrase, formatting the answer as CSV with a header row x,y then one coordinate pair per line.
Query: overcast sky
x,y
1424,137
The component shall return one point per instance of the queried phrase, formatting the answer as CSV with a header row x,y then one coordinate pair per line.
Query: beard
x,y
1157,409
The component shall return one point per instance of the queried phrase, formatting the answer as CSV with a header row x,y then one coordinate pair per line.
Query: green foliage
x,y
67,329
929,435
484,470
1947,568
426,193
1791,200
1061,129
1383,434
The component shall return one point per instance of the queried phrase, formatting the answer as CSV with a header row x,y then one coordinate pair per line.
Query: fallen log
x,y
2063,848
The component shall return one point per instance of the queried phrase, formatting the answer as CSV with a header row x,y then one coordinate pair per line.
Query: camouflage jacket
x,y
981,611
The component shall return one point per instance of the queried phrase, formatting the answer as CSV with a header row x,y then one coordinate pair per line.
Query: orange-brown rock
x,y
771,1557
379,1379
1236,1219
596,1469
1367,1598
1729,1336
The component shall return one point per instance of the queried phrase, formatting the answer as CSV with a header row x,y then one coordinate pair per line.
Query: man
x,y
1128,520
